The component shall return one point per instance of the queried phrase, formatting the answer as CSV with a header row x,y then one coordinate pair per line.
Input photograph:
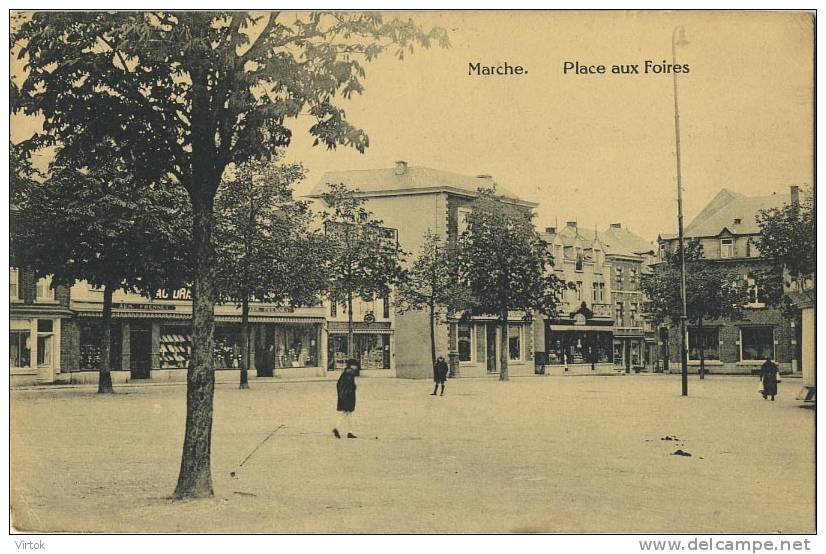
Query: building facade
x,y
630,257
151,338
726,229
416,200
38,344
580,339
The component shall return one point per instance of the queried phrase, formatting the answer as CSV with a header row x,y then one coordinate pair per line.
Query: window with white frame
x,y
754,293
465,339
14,284
756,343
462,215
44,291
558,255
726,248
599,292
20,346
514,342
579,291
45,342
709,339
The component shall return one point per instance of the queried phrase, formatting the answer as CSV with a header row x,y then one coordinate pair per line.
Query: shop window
x,y
337,346
465,342
45,342
20,349
710,339
14,284
175,347
515,342
91,335
297,346
756,343
726,248
619,354
373,350
44,291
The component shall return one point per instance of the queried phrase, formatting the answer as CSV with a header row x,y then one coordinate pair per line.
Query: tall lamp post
x,y
678,38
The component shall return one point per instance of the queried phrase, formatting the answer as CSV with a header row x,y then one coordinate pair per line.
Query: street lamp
x,y
678,39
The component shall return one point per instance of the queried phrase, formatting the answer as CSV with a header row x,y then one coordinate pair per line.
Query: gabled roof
x,y
622,242
414,179
729,206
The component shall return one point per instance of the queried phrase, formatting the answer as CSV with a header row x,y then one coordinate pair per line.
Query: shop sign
x,y
179,294
272,309
129,306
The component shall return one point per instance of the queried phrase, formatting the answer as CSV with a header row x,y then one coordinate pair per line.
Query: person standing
x,y
439,374
768,375
346,405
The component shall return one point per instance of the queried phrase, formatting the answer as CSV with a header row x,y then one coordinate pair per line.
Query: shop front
x,y
478,344
372,346
580,343
630,349
152,339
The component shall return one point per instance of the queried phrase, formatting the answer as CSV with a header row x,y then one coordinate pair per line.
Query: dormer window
x,y
726,248
737,221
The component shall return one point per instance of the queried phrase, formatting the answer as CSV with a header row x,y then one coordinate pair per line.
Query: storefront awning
x,y
604,328
123,314
359,327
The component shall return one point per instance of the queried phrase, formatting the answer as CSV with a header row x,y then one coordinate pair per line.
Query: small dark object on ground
x,y
232,474
351,436
680,452
242,493
669,438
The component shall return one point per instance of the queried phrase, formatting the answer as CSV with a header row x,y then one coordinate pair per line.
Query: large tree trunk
x,y
432,334
245,343
702,341
195,478
105,368
503,348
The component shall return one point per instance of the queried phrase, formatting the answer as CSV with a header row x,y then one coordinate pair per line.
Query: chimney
x,y
550,230
616,226
571,224
794,191
401,167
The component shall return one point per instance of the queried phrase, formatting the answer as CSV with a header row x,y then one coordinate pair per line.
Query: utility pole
x,y
683,313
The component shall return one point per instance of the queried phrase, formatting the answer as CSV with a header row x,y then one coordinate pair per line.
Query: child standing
x,y
346,405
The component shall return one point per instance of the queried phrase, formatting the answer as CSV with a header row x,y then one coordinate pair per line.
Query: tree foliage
x,y
714,290
365,257
99,226
185,94
432,283
787,238
266,247
506,264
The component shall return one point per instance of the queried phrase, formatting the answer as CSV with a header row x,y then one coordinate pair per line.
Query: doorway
x,y
492,347
140,350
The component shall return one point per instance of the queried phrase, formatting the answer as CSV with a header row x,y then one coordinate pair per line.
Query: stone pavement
x,y
536,454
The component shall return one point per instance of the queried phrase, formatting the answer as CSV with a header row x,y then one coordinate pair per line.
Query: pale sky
x,y
595,148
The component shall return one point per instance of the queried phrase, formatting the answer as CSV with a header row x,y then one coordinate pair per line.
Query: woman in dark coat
x,y
768,375
439,374
346,405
